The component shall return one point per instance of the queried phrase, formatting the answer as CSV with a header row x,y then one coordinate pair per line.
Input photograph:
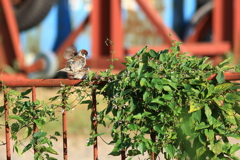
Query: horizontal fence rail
x,y
33,83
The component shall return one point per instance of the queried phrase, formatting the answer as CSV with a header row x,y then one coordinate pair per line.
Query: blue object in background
x,y
177,14
65,17
63,23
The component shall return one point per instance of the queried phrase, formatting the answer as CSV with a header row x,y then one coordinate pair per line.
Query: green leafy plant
x,y
24,114
164,103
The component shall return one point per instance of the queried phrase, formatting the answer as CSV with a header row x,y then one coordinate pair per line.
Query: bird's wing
x,y
66,70
69,52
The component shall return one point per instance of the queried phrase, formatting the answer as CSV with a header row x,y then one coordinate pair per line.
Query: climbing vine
x,y
164,103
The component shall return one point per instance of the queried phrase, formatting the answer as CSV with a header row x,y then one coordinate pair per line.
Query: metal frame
x,y
105,20
33,83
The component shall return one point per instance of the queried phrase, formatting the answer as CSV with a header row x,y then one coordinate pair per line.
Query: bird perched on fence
x,y
81,74
76,61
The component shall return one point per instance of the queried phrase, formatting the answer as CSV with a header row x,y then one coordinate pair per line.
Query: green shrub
x,y
164,103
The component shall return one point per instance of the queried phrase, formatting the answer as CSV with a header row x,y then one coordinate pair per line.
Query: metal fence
x,y
34,83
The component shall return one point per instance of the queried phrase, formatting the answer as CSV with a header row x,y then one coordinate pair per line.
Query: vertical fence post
x,y
94,121
123,154
64,123
7,129
153,138
34,98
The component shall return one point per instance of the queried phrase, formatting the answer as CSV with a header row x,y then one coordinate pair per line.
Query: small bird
x,y
75,61
81,74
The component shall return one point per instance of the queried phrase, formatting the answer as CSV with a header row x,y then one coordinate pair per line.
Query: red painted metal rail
x,y
57,83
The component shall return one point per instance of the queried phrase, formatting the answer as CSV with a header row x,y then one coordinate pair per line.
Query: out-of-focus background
x,y
34,34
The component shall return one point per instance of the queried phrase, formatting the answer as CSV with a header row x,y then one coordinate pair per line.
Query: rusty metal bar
x,y
202,48
7,129
43,82
123,154
116,29
37,66
59,82
157,21
153,138
10,43
236,30
34,108
64,124
228,76
94,123
218,20
154,17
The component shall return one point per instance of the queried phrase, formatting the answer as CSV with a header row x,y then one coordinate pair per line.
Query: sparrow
x,y
75,60
80,74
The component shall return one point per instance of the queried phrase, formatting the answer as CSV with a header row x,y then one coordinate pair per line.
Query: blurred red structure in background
x,y
106,21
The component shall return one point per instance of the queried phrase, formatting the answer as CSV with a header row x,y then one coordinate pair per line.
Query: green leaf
x,y
115,153
132,152
29,146
234,148
51,158
208,113
227,108
170,150
153,106
132,126
209,134
157,100
237,69
50,150
222,87
167,97
143,81
200,151
140,68
194,107
202,139
16,117
138,116
162,57
202,125
231,97
91,74
142,51
57,133
225,68
157,128
167,88
128,59
53,98
27,132
145,57
142,147
37,102
17,149
217,148
223,63
145,114
13,92
152,53
220,77
39,134
26,92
